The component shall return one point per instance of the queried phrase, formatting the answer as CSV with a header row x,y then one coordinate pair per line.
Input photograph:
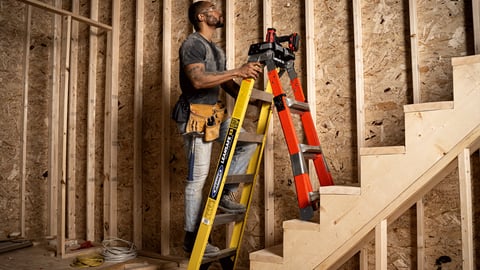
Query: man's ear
x,y
201,17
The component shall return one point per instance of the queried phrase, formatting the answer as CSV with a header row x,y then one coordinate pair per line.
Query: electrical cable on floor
x,y
113,253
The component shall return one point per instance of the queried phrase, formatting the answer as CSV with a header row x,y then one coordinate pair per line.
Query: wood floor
x,y
41,257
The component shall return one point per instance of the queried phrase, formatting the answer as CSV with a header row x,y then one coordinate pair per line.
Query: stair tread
x,y
340,190
466,60
429,106
383,150
272,254
298,224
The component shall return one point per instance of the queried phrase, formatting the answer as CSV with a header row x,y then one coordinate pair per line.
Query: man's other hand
x,y
250,70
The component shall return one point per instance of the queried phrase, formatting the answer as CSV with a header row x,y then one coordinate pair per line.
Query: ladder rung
x,y
226,218
310,150
250,137
297,105
314,196
239,178
222,254
261,95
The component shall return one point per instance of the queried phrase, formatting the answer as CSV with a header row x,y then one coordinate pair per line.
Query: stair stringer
x,y
389,183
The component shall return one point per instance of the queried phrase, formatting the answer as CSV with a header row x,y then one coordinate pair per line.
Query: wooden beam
x,y
466,209
165,126
111,126
138,129
268,159
412,4
53,133
230,57
381,245
63,116
72,127
364,258
359,78
91,126
311,75
57,10
23,158
230,46
476,24
420,234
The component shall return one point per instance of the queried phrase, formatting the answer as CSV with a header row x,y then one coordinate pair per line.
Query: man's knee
x,y
194,187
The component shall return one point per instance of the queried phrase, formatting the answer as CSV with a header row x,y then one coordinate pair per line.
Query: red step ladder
x,y
281,58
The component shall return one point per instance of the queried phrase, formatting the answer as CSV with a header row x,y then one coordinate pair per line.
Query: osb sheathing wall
x,y
444,31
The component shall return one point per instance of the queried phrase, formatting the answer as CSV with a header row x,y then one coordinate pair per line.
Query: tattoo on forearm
x,y
197,71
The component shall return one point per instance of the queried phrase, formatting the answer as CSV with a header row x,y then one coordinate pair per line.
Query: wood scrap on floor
x,y
9,245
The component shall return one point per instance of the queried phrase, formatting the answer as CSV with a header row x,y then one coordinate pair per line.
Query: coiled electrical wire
x,y
122,253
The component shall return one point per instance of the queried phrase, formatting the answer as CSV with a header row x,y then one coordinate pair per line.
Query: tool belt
x,y
206,119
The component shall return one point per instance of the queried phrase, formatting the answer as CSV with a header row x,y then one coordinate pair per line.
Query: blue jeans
x,y
198,153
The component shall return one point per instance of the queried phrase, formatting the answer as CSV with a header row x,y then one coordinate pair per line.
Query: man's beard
x,y
219,24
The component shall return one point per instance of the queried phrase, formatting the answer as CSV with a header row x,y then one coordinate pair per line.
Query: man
x,y
202,75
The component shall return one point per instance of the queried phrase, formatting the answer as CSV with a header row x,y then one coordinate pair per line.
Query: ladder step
x,y
261,95
250,137
297,106
239,178
314,196
222,254
310,151
226,218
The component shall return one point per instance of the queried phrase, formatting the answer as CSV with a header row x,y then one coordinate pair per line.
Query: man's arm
x,y
231,87
202,79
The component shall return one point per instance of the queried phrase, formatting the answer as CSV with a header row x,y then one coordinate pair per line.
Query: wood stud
x,y
138,129
268,160
165,126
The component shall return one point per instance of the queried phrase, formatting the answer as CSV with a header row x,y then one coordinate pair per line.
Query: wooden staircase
x,y
392,180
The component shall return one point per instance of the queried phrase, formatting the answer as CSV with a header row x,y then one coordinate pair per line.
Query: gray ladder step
x,y
239,178
250,137
310,151
261,95
226,218
224,253
297,106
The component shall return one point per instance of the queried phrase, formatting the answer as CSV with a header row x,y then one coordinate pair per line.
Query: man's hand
x,y
201,79
250,70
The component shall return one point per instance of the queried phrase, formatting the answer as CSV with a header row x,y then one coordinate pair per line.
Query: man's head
x,y
206,12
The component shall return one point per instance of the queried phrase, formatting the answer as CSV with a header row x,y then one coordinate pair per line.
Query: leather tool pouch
x,y
206,119
181,111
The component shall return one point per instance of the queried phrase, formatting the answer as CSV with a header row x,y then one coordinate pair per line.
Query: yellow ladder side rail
x,y
254,167
220,176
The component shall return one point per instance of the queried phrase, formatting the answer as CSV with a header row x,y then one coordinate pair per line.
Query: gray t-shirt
x,y
196,49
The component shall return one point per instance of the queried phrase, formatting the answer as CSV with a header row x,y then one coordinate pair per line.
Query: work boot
x,y
228,204
189,242
211,251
